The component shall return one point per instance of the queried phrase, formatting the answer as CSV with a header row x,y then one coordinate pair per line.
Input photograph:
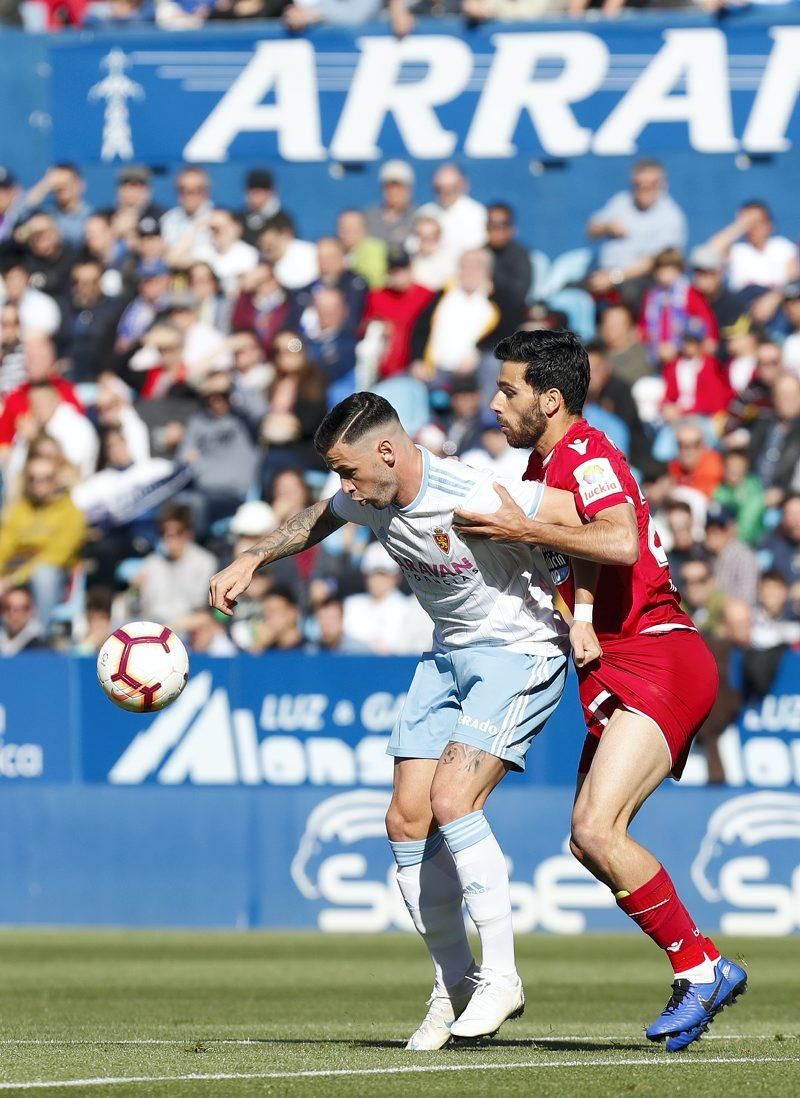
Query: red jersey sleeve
x,y
590,472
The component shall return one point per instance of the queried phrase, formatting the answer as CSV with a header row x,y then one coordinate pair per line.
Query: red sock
x,y
656,909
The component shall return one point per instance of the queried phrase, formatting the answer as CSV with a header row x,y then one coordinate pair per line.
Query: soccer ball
x,y
143,666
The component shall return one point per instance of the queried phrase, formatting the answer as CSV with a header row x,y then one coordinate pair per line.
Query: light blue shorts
x,y
489,698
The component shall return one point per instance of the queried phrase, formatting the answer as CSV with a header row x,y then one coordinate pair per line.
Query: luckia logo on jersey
x,y
442,539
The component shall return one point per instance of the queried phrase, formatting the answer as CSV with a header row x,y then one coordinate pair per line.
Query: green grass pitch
x,y
240,1014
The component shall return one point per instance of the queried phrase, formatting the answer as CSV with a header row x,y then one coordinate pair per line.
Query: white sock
x,y
483,874
430,886
699,974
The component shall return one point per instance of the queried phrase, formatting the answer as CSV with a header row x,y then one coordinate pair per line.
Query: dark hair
x,y
25,588
554,360
99,599
282,591
619,305
774,576
280,223
506,209
176,512
596,347
756,204
352,419
68,166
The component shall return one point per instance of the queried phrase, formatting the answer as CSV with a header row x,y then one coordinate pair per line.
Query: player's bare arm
x,y
582,637
296,534
609,538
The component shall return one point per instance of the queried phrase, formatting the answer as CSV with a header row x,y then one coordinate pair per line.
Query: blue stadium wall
x,y
715,99
257,800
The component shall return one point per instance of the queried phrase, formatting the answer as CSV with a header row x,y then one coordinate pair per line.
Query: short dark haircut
x,y
554,360
505,208
176,512
596,347
353,418
772,576
757,204
68,166
282,591
280,223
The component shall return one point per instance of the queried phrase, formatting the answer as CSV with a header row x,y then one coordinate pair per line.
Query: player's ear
x,y
386,451
551,401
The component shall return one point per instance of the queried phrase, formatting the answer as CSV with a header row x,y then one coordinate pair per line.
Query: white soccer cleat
x,y
496,999
444,1006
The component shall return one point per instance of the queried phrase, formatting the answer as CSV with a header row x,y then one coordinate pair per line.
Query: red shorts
x,y
671,678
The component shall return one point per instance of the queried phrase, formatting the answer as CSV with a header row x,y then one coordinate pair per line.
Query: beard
x,y
528,431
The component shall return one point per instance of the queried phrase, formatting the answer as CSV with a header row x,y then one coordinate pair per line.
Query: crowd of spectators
x,y
162,373
301,15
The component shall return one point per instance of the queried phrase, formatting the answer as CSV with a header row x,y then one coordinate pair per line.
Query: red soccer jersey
x,y
629,599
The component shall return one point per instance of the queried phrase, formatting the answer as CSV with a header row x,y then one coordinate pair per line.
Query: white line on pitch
x,y
416,1069
551,1038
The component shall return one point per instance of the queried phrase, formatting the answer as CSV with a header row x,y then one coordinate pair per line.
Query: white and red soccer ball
x,y
143,666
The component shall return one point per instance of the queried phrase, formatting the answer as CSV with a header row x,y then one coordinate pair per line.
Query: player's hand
x,y
585,645
508,523
226,586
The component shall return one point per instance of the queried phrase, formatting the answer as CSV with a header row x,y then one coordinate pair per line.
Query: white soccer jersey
x,y
477,592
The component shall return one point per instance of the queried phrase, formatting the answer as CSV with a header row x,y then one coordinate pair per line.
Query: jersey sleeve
x,y
348,511
484,499
593,479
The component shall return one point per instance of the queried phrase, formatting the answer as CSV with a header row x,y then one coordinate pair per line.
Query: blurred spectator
x,y
174,580
41,537
204,346
375,619
512,11
780,549
701,598
207,635
261,202
279,625
433,265
51,415
734,563
620,334
293,261
708,279
153,282
103,246
115,411
333,343
38,312
228,256
20,630
365,255
742,493
297,404
397,307
762,260
457,321
696,466
695,382
63,184
334,275
671,308
512,271
262,305
463,219
213,308
168,370
12,351
134,192
791,309
681,540
220,451
97,626
47,258
90,323
613,394
775,439
393,220
774,623
166,401
636,225
329,630
193,209
493,451
40,366
465,424
251,375
10,204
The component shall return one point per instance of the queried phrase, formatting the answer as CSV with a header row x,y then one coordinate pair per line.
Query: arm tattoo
x,y
297,533
468,759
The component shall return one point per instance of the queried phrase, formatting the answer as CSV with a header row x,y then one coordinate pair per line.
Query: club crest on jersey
x,y
442,539
596,479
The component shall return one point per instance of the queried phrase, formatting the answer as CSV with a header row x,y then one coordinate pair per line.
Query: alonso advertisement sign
x,y
489,93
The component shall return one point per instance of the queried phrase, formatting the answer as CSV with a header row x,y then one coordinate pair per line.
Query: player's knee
x,y
448,805
400,826
592,838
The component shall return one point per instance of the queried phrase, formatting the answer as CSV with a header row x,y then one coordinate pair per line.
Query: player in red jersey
x,y
647,679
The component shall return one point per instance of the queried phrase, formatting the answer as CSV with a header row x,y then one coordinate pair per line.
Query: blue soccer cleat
x,y
693,1007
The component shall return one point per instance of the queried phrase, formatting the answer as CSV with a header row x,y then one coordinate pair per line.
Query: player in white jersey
x,y
494,677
